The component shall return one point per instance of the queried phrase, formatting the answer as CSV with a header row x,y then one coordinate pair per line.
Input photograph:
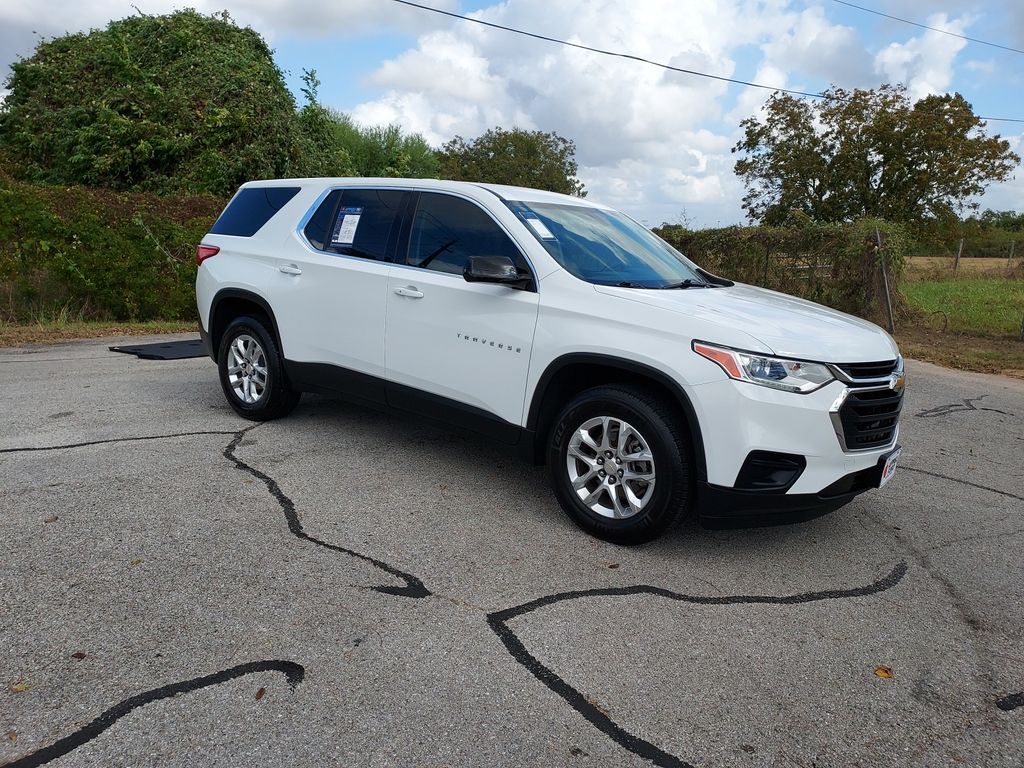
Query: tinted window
x,y
316,229
250,209
448,230
357,222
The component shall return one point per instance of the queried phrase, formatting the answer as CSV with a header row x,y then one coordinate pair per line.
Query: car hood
x,y
789,326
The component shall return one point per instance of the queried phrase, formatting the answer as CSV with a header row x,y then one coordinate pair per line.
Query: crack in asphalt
x,y
905,468
413,588
293,672
65,446
1011,702
968,404
499,623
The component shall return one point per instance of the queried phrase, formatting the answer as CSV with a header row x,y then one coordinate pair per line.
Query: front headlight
x,y
775,372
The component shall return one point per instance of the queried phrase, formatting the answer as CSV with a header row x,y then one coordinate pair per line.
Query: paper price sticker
x,y
345,226
539,227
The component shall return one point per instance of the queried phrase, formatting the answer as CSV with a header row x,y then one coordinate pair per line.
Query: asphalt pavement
x,y
179,587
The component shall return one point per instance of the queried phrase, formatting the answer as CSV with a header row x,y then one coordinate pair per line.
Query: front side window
x,y
357,222
606,247
448,230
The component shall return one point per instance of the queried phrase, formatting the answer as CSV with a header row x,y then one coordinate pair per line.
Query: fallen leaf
x,y
259,693
12,736
136,561
78,655
577,752
614,565
883,672
19,686
50,519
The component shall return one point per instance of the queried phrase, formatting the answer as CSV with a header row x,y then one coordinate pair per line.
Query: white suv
x,y
649,386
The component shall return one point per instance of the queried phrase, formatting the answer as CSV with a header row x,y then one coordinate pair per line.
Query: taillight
x,y
203,252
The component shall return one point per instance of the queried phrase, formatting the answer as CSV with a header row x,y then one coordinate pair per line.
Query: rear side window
x,y
448,230
251,208
357,222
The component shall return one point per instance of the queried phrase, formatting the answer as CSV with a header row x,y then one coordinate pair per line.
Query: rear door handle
x,y
410,291
290,269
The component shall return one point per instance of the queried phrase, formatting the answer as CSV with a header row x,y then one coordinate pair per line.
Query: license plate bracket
x,y
888,466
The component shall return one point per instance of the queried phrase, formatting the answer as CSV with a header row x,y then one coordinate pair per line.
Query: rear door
x,y
454,349
332,291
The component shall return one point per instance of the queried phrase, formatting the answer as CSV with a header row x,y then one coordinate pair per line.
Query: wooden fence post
x,y
885,281
956,264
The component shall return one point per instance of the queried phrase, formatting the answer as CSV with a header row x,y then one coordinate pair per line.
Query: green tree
x,y
1011,221
384,151
522,158
181,102
322,154
867,153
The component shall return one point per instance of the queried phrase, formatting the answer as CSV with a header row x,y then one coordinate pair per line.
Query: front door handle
x,y
410,291
290,269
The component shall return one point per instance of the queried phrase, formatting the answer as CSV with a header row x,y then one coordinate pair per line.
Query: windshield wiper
x,y
687,283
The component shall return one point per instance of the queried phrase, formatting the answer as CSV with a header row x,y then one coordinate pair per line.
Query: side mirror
x,y
492,269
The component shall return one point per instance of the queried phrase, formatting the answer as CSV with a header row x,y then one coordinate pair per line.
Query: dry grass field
x,y
940,267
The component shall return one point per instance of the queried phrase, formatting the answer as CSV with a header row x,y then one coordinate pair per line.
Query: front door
x,y
457,349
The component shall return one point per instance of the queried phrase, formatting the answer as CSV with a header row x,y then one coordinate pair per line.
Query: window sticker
x,y
538,226
345,227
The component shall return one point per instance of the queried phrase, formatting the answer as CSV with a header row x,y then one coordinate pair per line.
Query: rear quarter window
x,y
251,208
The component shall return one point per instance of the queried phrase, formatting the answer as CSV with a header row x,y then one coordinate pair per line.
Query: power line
x,y
933,29
608,53
746,83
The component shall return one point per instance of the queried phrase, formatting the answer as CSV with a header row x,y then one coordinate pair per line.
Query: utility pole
x,y
956,264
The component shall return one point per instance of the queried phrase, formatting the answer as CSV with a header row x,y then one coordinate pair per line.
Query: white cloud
x,y
647,139
924,63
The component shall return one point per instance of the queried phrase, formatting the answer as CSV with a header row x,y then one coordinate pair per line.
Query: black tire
x,y
666,436
277,397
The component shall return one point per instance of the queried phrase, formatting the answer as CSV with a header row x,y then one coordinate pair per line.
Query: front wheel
x,y
251,372
620,463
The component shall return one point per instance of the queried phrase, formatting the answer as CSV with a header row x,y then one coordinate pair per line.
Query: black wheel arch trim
x,y
215,333
643,370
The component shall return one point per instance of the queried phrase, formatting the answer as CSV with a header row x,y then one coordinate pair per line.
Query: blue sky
x,y
653,143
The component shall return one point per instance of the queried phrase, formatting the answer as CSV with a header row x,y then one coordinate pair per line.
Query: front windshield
x,y
606,247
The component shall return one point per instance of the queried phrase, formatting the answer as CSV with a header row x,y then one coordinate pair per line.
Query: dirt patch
x,y
968,352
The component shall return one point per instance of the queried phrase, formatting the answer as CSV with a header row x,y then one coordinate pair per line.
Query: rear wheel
x,y
251,372
620,463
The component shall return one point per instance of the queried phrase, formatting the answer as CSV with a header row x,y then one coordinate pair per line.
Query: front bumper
x,y
719,506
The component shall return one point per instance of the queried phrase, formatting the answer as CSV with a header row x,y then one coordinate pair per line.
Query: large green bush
x,y
176,103
101,254
833,264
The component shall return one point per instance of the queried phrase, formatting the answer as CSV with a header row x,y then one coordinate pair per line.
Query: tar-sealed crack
x,y
904,468
966,405
66,446
499,622
293,672
413,586
1011,702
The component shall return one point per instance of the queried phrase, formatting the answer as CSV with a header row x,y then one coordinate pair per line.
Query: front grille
x,y
867,370
869,418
